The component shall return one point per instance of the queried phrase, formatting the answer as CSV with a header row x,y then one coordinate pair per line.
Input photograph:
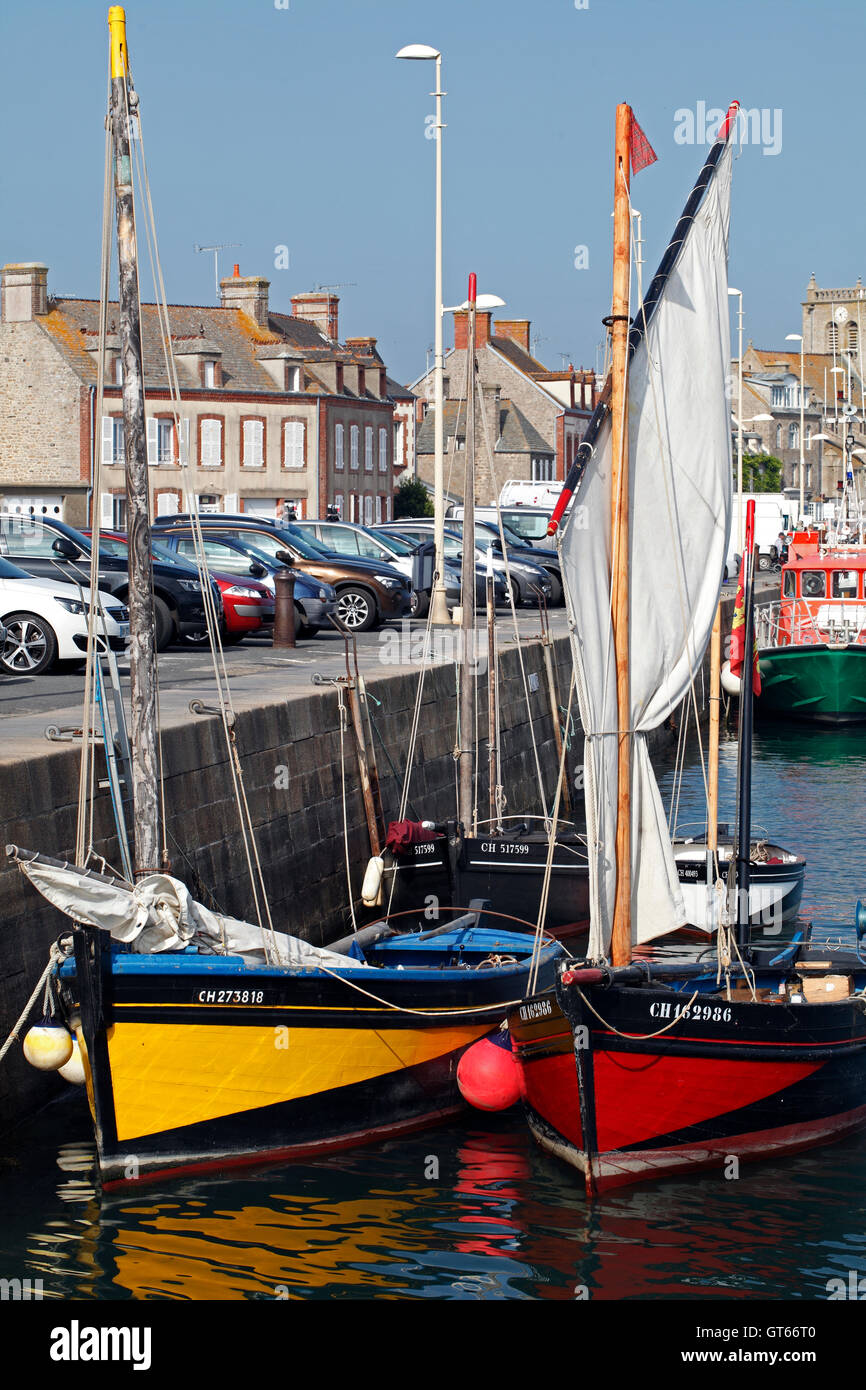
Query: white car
x,y
46,621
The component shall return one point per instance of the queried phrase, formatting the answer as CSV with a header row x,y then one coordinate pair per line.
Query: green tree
x,y
412,499
762,473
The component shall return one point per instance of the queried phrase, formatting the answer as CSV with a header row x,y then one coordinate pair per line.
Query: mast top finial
x,y
117,29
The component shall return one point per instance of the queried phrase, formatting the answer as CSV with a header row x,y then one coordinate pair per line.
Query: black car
x,y
52,550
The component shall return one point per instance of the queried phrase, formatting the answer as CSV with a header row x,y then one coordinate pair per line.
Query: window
x,y
368,510
387,508
832,338
789,584
809,475
808,436
210,443
160,440
339,539
778,436
383,451
368,449
852,337
112,440
293,379
813,584
378,511
793,436
786,396
210,375
353,447
543,470
293,444
253,444
339,460
844,584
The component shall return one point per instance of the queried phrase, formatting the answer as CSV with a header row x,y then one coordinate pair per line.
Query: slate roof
x,y
515,436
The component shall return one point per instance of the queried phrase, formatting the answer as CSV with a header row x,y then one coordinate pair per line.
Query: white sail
x,y
680,510
159,914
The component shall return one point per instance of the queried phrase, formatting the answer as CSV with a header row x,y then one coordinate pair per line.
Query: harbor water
x,y
475,1211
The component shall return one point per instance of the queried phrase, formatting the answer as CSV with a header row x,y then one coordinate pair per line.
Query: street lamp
x,y
438,604
739,421
798,338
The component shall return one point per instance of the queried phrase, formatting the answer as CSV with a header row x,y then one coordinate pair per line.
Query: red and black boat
x,y
646,1066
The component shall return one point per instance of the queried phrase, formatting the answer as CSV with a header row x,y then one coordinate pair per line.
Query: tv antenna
x,y
223,246
566,359
329,289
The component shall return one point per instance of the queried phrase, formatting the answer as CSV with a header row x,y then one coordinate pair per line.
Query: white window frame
x,y
378,510
209,376
383,450
339,456
354,437
253,440
368,448
294,440
388,508
368,509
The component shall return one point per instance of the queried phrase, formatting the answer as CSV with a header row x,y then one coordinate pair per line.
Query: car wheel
x,y
419,603
356,611
164,624
31,646
556,593
516,594
764,562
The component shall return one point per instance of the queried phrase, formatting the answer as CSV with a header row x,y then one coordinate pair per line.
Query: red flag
x,y
738,626
642,152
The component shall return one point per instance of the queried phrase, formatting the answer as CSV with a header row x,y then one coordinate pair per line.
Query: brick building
x,y
274,408
533,419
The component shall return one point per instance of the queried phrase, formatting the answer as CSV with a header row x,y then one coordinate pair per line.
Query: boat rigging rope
x,y
223,689
55,956
343,720
551,847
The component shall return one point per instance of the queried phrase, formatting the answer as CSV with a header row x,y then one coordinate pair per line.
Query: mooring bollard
x,y
284,608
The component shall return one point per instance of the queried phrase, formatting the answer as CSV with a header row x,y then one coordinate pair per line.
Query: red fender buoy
x,y
487,1074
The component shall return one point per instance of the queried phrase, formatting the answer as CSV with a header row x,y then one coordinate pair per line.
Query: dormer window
x,y
293,378
209,375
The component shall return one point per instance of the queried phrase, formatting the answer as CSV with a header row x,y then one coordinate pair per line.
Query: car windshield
x,y
279,538
396,544
528,525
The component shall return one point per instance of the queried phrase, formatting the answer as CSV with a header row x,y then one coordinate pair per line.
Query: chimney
x,y
320,308
246,292
516,330
362,347
461,329
24,291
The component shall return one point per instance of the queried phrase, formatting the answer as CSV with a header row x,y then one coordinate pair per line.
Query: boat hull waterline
x,y
824,684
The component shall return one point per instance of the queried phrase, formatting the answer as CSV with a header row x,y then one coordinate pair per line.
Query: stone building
x,y
529,420
274,408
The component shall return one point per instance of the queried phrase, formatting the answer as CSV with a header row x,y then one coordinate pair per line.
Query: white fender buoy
x,y
73,1070
371,892
48,1045
730,682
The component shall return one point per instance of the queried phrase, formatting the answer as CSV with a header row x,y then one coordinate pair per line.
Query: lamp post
x,y
438,604
739,421
798,338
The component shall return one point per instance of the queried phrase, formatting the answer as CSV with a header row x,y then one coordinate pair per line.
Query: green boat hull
x,y
820,683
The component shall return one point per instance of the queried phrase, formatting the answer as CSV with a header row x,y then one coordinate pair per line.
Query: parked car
x,y
487,533
52,550
527,580
248,607
315,603
368,591
527,522
347,538
44,621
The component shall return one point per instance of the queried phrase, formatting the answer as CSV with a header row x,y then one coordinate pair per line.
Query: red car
x,y
248,604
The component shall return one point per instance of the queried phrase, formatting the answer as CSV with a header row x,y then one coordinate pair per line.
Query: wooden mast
x,y
142,654
467,584
619,321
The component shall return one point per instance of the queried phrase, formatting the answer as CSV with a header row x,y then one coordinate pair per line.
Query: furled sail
x,y
679,443
159,914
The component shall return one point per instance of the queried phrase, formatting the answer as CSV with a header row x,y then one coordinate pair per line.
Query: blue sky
x,y
296,127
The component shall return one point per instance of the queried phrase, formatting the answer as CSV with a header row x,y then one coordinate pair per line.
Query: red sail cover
x,y
739,623
642,152
404,833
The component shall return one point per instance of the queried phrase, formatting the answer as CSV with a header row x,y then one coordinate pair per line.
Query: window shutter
x,y
368,448
294,444
368,510
378,510
383,451
152,441
230,502
106,510
183,445
338,446
107,439
167,504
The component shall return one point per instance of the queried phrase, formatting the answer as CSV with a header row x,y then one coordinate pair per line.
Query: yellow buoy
x,y
73,1070
48,1045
